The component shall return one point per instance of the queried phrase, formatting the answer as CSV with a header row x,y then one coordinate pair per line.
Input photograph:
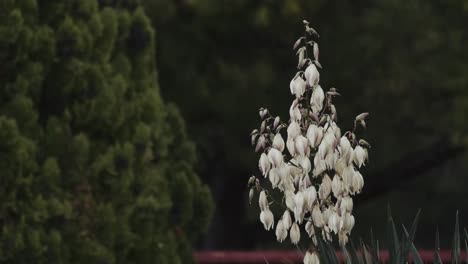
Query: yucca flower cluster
x,y
314,166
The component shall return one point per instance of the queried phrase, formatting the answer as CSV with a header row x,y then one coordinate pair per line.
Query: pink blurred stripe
x,y
273,257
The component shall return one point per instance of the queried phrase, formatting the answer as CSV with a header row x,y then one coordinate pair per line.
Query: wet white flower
x,y
266,217
263,201
316,100
311,258
295,233
264,164
312,75
281,232
278,142
275,157
286,218
360,156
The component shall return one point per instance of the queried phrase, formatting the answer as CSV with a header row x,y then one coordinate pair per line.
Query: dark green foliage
x,y
95,167
398,247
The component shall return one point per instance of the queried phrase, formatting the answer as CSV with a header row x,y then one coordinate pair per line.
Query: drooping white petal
x,y
337,186
302,145
274,177
301,205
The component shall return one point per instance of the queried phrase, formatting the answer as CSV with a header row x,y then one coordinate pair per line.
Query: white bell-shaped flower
x,y
278,142
286,218
311,196
337,186
314,135
311,258
290,203
293,130
334,222
275,157
281,232
358,182
312,75
317,217
302,145
263,201
316,100
274,177
309,227
266,217
264,164
360,156
325,187
301,206
295,233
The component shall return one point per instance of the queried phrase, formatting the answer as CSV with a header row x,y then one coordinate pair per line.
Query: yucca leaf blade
x,y
456,259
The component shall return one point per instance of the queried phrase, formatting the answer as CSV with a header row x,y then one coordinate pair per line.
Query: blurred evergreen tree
x,y
94,166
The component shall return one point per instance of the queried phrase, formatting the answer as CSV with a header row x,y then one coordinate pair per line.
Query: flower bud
x,y
251,194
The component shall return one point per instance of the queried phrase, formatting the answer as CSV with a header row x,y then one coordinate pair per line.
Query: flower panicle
x,y
313,165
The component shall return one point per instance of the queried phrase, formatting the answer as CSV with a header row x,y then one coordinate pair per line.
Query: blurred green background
x,y
124,124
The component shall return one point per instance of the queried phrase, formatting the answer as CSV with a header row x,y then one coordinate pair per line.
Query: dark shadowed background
x,y
405,62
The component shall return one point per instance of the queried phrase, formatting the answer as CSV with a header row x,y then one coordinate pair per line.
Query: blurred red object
x,y
273,257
